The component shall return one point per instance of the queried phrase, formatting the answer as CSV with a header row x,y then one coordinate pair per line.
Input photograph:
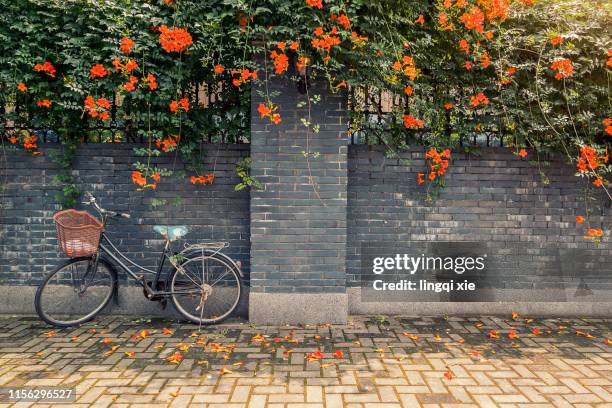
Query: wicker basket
x,y
78,232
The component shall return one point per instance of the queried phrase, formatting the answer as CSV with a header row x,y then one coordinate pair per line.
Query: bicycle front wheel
x,y
206,288
75,292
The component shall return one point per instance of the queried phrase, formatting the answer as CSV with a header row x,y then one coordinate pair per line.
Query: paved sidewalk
x,y
371,362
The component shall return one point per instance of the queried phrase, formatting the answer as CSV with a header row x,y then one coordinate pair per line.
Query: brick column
x,y
298,219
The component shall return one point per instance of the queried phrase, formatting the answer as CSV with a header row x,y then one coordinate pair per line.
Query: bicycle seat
x,y
172,233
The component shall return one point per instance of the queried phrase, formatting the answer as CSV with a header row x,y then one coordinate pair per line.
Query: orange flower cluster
x,y
495,10
557,40
131,84
342,19
448,106
243,76
97,109
408,90
315,3
97,71
46,67
438,164
473,19
563,66
219,69
128,67
444,23
179,106
151,81
203,180
126,45
281,62
485,60
420,19
406,65
607,122
609,63
22,87
326,41
269,111
478,99
590,160
464,46
359,41
302,63
174,40
141,180
594,233
168,144
243,20
410,122
30,142
43,103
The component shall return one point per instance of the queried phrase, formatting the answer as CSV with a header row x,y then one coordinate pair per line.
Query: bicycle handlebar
x,y
92,200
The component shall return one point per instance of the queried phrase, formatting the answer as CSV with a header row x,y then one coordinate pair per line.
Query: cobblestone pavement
x,y
371,362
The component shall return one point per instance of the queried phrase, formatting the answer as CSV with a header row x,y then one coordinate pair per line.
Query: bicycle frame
x,y
121,260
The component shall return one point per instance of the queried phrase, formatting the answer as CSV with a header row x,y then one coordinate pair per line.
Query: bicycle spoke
x,y
220,277
215,297
76,292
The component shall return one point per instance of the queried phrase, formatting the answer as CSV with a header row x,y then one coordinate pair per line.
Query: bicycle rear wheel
x,y
206,288
75,292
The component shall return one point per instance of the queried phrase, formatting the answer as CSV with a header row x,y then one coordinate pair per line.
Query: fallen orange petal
x,y
175,358
449,375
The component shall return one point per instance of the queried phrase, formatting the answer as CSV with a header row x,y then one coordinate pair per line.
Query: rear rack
x,y
207,245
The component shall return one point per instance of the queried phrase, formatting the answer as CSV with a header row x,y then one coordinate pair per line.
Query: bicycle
x,y
204,284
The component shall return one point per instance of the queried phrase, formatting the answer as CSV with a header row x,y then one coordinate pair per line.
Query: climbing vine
x,y
533,75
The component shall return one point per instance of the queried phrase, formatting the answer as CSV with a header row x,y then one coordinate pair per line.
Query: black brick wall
x,y
27,234
298,240
298,244
496,199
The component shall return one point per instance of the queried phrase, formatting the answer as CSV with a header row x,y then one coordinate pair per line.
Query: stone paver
x,y
378,361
